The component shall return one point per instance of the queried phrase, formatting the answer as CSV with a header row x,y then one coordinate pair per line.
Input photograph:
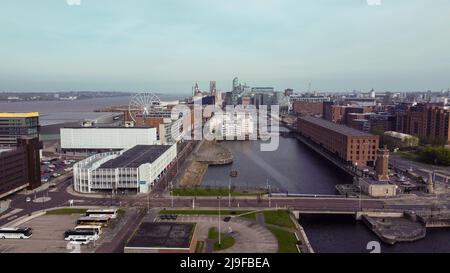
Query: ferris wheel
x,y
142,103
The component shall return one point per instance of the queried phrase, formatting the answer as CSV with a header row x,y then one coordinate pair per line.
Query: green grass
x,y
203,212
279,218
66,211
213,233
226,242
199,247
408,155
211,192
251,216
286,240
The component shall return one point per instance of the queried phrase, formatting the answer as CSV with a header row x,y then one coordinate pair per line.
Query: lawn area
x,y
279,218
286,240
211,192
199,247
408,155
226,242
66,211
251,216
213,233
203,212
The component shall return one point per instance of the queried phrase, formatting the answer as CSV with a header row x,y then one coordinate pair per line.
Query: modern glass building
x,y
17,125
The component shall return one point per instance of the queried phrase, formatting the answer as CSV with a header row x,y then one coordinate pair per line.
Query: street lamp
x,y
229,192
171,192
220,242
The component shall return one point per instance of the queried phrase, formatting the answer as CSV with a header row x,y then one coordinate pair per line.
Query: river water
x,y
292,167
295,168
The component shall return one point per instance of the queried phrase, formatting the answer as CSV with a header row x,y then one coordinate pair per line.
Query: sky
x,y
164,46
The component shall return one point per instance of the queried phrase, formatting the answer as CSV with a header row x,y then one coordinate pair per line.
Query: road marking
x,y
11,213
12,217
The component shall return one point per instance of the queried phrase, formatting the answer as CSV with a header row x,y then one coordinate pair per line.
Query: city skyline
x,y
165,46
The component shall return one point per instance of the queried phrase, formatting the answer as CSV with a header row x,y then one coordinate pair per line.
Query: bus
x,y
75,235
111,213
97,229
97,221
15,233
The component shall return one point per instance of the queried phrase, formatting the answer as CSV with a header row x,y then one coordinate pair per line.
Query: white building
x,y
84,141
171,131
232,126
136,169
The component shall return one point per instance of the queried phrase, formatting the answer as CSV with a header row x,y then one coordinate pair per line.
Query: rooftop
x,y
5,150
162,235
100,126
342,129
136,156
18,115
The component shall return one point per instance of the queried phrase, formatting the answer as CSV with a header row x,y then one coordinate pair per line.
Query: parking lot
x,y
52,168
48,236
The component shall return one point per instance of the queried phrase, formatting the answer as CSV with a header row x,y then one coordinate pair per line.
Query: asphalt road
x,y
60,197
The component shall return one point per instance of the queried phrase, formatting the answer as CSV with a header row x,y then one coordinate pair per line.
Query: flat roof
x,y
97,126
342,129
162,235
5,149
136,156
19,115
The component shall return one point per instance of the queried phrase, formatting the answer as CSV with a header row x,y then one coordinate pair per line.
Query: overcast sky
x,y
166,45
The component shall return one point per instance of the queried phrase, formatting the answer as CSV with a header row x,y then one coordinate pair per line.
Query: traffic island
x,y
226,240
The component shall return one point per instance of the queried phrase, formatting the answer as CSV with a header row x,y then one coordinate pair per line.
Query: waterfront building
x,y
231,126
377,189
136,169
85,141
16,125
351,145
20,166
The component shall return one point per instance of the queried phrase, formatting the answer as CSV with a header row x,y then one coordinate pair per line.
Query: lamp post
x,y
171,193
220,242
229,192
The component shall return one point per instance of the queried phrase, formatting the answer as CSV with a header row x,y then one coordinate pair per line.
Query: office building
x,y
16,125
20,166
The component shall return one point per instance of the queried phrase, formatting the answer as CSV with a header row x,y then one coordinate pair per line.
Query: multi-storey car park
x,y
136,169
